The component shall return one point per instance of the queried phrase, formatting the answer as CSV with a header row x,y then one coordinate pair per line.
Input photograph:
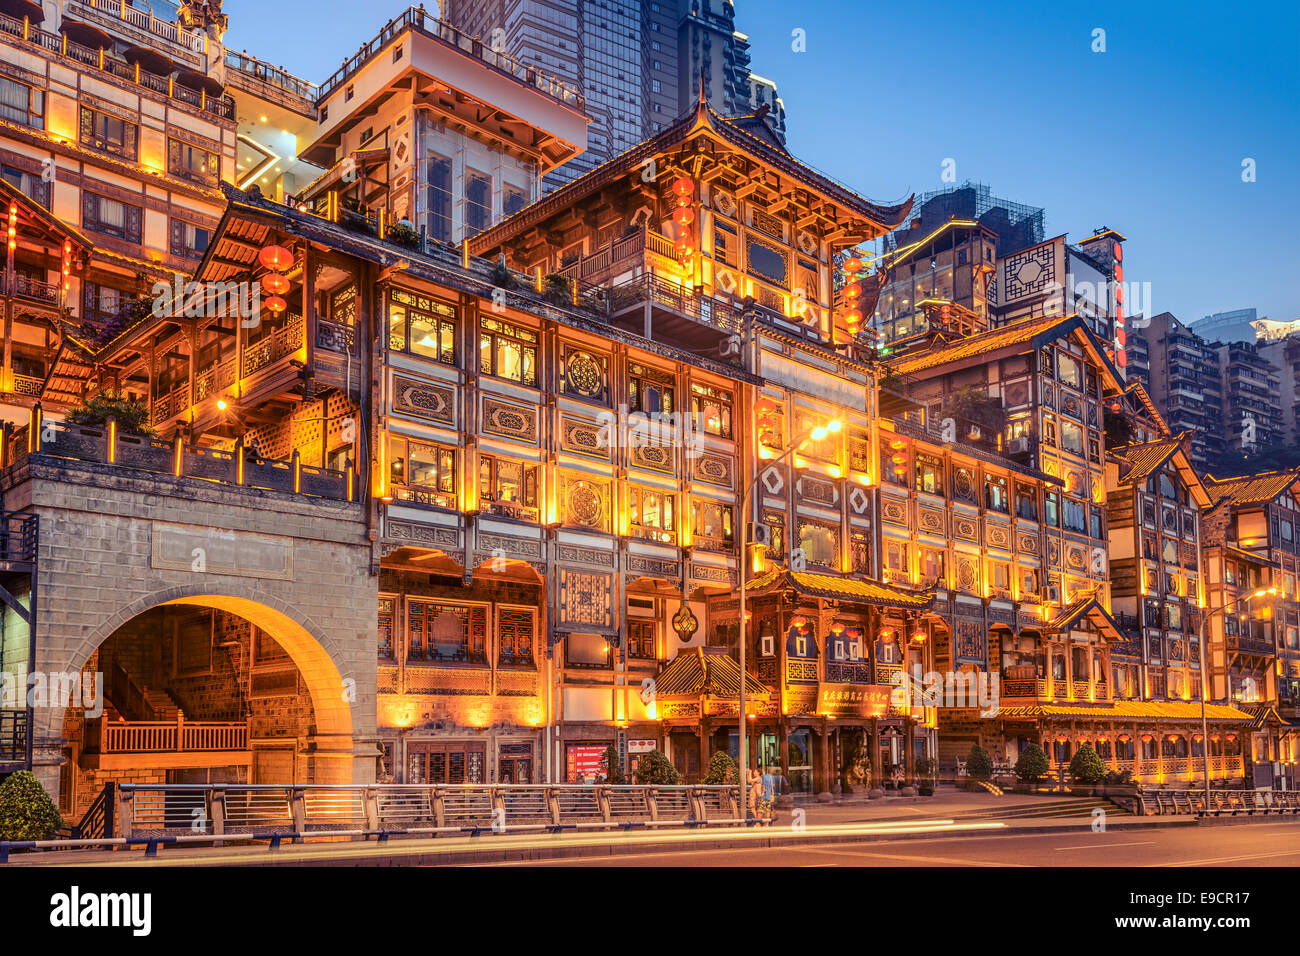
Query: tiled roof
x,y
1146,458
701,670
840,589
887,216
1265,713
1089,606
1025,333
1252,489
1137,709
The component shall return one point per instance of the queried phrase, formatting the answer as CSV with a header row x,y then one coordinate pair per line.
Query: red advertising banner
x,y
587,759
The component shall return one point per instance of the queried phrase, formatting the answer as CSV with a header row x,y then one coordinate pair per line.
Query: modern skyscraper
x,y
637,64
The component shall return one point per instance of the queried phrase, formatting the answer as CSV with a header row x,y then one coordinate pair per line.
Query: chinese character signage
x,y
853,700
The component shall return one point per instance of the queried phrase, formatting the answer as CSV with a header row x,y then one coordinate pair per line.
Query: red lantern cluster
x,y
1121,336
684,218
852,291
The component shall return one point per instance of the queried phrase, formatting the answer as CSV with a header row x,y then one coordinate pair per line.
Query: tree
x,y
612,766
978,763
132,417
1086,766
502,277
722,770
1032,763
655,768
26,810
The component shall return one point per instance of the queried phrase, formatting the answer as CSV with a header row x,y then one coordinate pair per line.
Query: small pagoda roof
x,y
851,590
701,671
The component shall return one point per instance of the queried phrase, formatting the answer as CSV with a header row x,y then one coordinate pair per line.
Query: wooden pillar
x,y
877,774
825,782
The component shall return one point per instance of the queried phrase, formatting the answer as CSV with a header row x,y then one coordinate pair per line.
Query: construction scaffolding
x,y
1017,225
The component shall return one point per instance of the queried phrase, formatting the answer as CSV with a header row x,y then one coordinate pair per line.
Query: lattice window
x,y
446,632
515,637
387,619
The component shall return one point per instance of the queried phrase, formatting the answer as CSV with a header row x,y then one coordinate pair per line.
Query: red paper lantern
x,y
275,304
684,216
275,284
275,258
1121,357
1119,315
684,186
852,290
1119,293
1120,337
1119,252
852,317
853,265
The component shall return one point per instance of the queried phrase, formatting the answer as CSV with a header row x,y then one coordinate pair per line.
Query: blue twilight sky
x,y
1147,138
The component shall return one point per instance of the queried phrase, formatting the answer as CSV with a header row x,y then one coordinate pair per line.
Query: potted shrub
x,y
979,765
132,417
611,765
927,774
558,289
26,810
404,234
1086,769
1032,765
655,768
722,770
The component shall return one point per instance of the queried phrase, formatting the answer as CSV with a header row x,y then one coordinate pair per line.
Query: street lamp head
x,y
834,425
818,433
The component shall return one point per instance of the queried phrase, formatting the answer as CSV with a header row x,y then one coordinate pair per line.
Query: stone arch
x,y
314,651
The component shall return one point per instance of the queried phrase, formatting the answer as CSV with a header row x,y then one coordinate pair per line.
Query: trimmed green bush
x,y
1086,766
611,765
132,417
722,769
654,767
26,810
978,763
1032,764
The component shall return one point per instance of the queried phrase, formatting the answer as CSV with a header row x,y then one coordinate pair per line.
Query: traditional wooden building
x,y
1252,538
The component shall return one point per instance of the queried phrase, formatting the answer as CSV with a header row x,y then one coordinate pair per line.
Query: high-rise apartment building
x,y
1284,355
1252,409
638,65
1181,371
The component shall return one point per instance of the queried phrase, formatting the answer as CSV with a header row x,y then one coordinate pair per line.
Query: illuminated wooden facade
x,y
1252,539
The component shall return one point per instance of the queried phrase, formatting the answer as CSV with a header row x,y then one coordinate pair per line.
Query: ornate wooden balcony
x,y
119,744
237,467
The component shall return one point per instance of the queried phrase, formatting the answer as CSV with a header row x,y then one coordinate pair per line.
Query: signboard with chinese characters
x,y
853,700
585,759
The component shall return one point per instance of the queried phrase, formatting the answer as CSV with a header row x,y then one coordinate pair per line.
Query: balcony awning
x,y
194,80
1089,607
87,34
23,9
841,589
1267,715
701,671
1127,710
150,60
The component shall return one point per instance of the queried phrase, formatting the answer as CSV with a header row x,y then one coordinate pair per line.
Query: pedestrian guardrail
x,y
153,816
1221,803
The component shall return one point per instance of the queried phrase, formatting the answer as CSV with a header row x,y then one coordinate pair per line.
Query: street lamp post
x,y
1205,683
816,433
